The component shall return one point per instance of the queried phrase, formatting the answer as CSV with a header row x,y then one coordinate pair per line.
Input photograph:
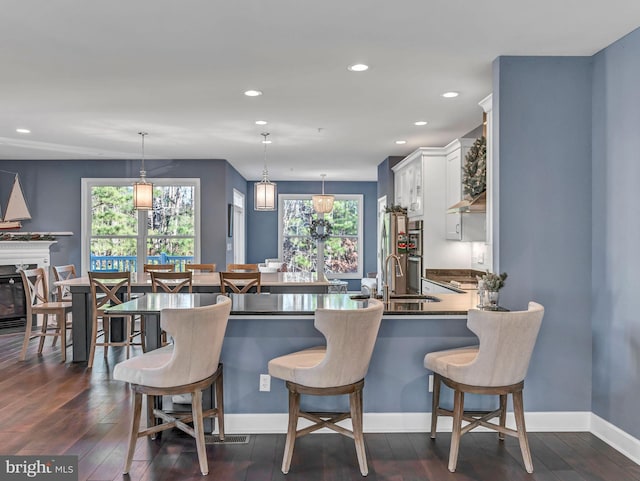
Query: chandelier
x,y
322,204
143,190
264,192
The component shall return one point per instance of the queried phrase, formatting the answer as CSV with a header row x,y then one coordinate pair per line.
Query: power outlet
x,y
430,382
265,382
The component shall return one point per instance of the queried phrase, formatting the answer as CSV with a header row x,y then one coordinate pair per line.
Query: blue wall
x,y
262,227
52,189
616,230
544,148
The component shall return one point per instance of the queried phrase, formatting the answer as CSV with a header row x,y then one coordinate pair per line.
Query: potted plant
x,y
492,283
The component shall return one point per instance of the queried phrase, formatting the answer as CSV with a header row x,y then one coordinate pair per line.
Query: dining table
x,y
82,311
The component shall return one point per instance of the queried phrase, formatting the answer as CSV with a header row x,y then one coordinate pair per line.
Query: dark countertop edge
x,y
386,313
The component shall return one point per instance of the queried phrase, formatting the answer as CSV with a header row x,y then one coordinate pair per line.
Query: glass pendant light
x,y
143,190
322,204
265,192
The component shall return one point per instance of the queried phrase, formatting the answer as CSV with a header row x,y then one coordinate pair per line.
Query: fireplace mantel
x,y
24,253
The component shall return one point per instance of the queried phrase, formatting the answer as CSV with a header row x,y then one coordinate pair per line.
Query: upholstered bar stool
x,y
189,365
497,366
334,369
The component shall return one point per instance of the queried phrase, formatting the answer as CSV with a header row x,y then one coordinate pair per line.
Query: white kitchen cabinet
x,y
465,226
456,153
408,184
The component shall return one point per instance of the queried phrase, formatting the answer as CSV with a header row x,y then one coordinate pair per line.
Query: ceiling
x,y
86,76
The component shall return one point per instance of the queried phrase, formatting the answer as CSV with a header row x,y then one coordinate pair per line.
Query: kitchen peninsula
x,y
264,326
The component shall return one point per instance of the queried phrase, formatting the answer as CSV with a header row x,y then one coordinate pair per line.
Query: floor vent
x,y
234,439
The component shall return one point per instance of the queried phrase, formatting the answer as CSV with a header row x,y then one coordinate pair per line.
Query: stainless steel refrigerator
x,y
394,241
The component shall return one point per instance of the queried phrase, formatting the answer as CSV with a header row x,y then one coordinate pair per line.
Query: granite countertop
x,y
299,304
464,279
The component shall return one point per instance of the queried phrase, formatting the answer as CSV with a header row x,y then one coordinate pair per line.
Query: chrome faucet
x,y
385,287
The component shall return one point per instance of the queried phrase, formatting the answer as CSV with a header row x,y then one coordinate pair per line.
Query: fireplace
x,y
16,255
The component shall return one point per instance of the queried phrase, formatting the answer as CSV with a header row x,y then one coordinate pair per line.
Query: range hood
x,y
468,205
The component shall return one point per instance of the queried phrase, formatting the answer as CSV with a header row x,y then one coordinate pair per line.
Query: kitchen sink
x,y
401,298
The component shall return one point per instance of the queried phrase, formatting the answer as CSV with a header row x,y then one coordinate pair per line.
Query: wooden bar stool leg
x,y
355,404
518,411
94,340
198,427
43,330
294,408
220,405
435,404
503,415
458,410
62,330
27,338
135,427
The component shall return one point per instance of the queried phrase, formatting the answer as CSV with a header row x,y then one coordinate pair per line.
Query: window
x,y
342,250
117,237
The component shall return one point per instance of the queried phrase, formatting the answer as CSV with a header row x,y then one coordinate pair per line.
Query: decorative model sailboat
x,y
16,209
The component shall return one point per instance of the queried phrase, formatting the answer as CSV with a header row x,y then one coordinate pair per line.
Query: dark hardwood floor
x,y
50,408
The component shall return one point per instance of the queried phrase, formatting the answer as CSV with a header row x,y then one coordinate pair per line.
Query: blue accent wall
x,y
262,227
544,149
52,190
616,230
385,178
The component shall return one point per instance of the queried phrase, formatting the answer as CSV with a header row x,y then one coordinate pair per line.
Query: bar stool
x,y
337,368
188,366
497,366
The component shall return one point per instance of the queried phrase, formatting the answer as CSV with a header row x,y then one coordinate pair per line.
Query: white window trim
x,y
85,205
359,198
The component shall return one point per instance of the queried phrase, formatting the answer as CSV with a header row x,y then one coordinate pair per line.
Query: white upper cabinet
x,y
456,152
408,184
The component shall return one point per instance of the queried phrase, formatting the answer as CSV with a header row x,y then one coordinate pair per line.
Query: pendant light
x,y
264,192
322,204
143,190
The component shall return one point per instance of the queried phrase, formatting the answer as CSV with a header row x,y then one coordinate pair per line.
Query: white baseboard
x,y
616,438
407,422
583,421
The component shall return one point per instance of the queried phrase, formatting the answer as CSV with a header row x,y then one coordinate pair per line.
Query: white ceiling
x,y
86,76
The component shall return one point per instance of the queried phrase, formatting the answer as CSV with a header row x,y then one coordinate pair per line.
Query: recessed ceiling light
x,y
401,142
450,95
252,93
358,67
23,131
420,122
261,122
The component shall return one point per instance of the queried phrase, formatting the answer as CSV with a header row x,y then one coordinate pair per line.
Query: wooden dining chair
x,y
200,267
109,289
64,273
242,267
37,302
171,281
248,280
159,267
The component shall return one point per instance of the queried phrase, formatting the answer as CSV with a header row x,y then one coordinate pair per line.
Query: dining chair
x,y
171,281
159,267
200,267
247,280
242,267
37,303
63,273
189,365
497,366
109,289
337,368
